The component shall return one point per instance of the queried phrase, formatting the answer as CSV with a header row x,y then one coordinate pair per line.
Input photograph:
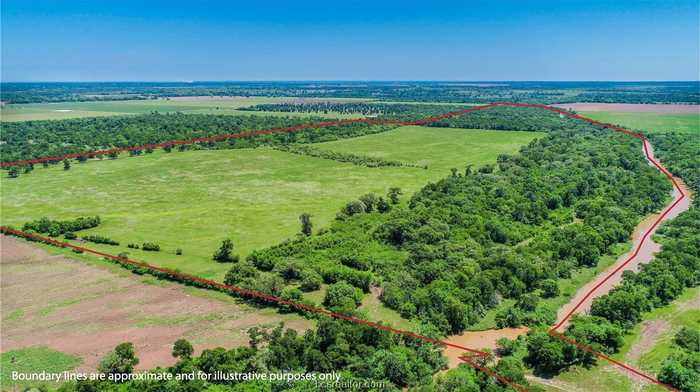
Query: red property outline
x,y
259,295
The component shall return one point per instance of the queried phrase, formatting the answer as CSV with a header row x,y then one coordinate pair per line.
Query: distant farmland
x,y
199,105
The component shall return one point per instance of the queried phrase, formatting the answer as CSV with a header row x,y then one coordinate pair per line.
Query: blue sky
x,y
349,40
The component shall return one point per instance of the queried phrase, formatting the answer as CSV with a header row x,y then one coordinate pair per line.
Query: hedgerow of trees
x,y
55,228
355,159
36,139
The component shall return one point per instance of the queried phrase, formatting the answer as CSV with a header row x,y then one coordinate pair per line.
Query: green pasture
x,y
194,199
650,122
33,360
439,148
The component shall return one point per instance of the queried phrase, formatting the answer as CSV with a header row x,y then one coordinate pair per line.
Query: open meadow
x,y
650,122
643,117
193,200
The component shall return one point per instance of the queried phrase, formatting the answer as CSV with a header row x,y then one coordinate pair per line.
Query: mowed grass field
x,y
650,122
193,200
191,105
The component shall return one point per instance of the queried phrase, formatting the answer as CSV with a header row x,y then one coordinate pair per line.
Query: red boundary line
x,y
271,298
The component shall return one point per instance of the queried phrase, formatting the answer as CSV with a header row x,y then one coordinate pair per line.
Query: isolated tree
x,y
354,207
370,201
306,225
549,288
383,206
393,195
342,297
66,164
688,338
182,349
310,280
13,172
225,253
240,272
121,360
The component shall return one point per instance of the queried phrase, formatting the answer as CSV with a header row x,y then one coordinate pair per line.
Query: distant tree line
x,y
469,92
35,139
360,108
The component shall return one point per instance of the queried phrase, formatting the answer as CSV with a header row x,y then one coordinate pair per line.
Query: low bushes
x,y
98,239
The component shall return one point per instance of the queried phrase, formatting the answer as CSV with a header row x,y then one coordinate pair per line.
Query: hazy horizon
x,y
350,81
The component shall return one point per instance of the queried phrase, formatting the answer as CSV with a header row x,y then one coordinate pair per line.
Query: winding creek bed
x,y
487,338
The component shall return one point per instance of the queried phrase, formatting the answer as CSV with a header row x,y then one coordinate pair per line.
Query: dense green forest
x,y
35,139
461,245
675,268
467,92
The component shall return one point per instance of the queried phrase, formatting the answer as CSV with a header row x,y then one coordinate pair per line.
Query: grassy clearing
x,y
34,360
438,148
191,105
605,377
682,313
651,122
194,199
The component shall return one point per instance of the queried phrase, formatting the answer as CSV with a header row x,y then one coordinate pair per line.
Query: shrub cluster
x,y
54,228
98,239
359,160
149,246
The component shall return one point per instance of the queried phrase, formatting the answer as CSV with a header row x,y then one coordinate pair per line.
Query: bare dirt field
x,y
85,310
632,107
